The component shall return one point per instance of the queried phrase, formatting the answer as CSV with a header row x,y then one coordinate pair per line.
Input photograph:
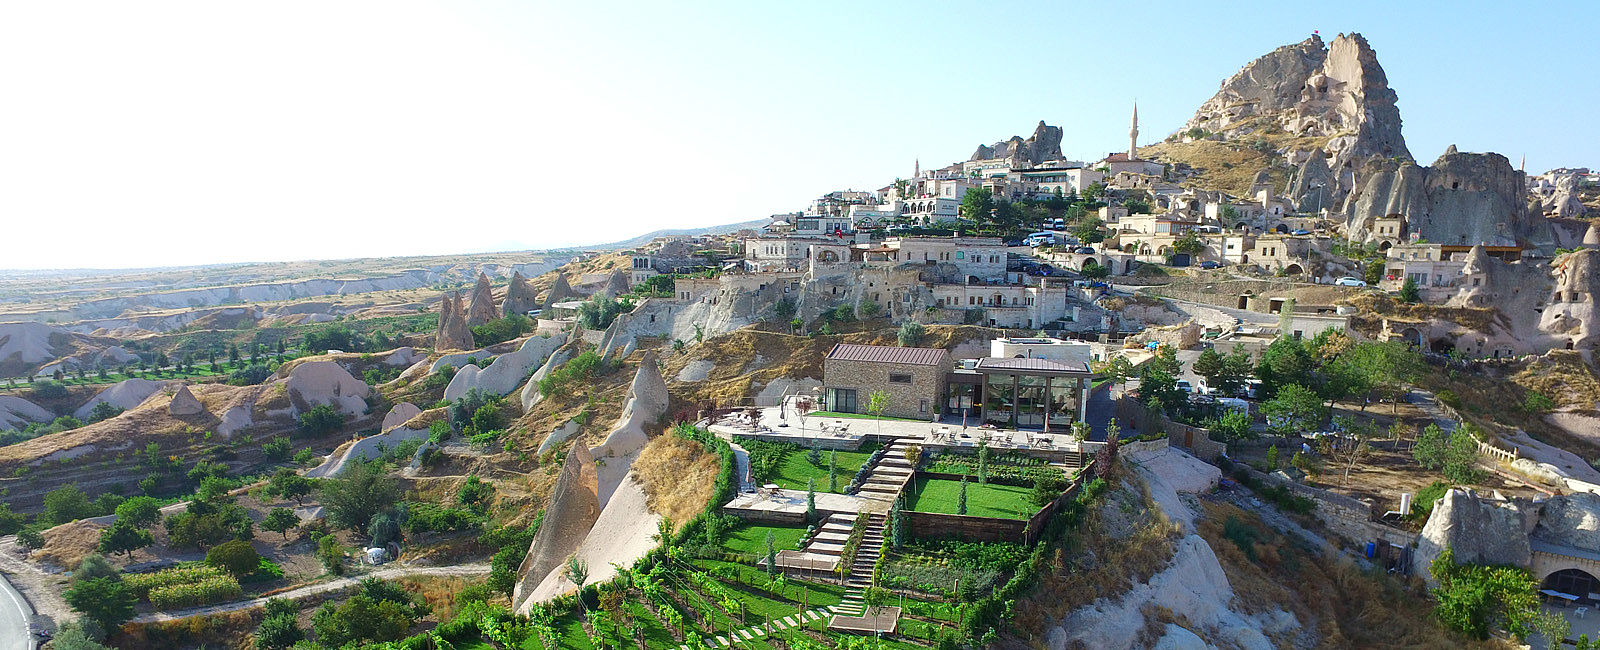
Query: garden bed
x,y
992,500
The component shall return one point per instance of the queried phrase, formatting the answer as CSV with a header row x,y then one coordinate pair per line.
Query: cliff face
x,y
1044,144
1573,314
1328,108
1463,198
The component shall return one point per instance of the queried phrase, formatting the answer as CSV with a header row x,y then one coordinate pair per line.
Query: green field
x,y
795,470
1000,501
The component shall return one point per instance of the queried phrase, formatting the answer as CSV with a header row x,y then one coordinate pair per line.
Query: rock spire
x,y
454,333
520,298
482,308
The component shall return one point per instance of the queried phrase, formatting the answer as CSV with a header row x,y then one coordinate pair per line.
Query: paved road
x,y
14,615
324,587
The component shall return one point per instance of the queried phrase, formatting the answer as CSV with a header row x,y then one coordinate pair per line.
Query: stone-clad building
x,y
914,378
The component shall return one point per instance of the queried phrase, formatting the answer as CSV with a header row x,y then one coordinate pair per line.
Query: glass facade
x,y
841,400
1026,401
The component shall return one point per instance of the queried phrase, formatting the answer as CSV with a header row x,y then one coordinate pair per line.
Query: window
x,y
897,378
922,406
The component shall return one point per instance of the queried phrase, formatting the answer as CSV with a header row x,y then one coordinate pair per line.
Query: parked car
x,y
1013,243
1301,231
1348,281
1184,385
1086,250
1209,264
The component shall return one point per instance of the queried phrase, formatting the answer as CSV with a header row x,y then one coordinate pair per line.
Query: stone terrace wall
x,y
967,528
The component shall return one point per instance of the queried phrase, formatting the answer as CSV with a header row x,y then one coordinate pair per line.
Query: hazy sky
x,y
164,133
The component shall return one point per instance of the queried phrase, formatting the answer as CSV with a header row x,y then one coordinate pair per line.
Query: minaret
x,y
917,170
1133,134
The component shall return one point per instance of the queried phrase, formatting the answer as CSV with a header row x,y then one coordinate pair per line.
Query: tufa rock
x,y
1478,530
400,414
184,403
326,382
1463,199
1573,313
1044,144
454,333
573,508
559,290
520,298
482,308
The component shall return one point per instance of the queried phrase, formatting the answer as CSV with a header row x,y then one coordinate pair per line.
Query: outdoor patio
x,y
784,424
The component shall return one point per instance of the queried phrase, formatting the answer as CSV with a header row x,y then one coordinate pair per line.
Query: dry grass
x,y
1348,608
1221,166
677,475
438,591
67,544
230,630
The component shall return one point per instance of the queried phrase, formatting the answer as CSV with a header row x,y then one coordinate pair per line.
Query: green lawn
x,y
1001,501
795,471
752,540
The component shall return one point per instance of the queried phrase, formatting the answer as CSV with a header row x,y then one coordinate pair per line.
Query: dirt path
x,y
40,587
320,588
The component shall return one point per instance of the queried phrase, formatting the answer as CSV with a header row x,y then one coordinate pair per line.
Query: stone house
x,y
913,378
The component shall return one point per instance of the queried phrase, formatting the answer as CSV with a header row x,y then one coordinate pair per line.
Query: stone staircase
x,y
860,576
889,476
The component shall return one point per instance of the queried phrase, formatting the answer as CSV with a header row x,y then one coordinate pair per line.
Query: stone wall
x,y
931,525
905,400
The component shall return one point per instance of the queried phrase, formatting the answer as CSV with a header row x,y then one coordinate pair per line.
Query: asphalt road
x,y
14,615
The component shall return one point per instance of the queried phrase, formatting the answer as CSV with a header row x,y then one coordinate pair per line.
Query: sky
x,y
175,133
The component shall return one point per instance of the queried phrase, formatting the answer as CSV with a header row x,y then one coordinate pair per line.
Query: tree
x,y
360,492
1461,456
321,420
983,463
1285,361
772,555
783,310
106,601
1354,443
1233,425
278,632
1553,627
961,497
1209,365
1409,292
1430,447
67,503
1159,385
140,511
833,470
1388,367
1189,243
1093,271
30,538
811,501
1136,206
1295,410
331,553
977,204
1476,598
1088,231
125,538
104,411
281,520
1272,457
73,635
1119,370
237,557
383,529
94,565
288,484
910,334
877,403
576,572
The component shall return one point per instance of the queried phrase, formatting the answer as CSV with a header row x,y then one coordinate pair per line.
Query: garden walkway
x,y
757,631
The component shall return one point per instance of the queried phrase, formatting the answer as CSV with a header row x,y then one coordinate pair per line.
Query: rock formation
x,y
1044,144
482,309
616,284
400,414
1477,530
559,290
530,391
520,298
125,394
1338,92
573,507
325,382
454,333
1464,198
1572,314
644,404
506,372
184,403
16,413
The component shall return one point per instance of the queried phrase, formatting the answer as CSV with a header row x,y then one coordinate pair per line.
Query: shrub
x,y
141,584
558,384
277,449
501,330
910,334
321,420
238,557
250,375
49,390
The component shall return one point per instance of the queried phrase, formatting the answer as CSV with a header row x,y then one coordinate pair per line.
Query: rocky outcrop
x,y
560,290
325,382
1463,198
1573,314
1571,520
644,404
454,333
506,372
1337,94
184,403
520,298
481,308
530,391
616,284
400,414
17,413
573,508
125,394
1044,144
1478,530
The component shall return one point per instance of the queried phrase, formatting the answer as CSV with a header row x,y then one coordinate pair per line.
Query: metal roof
x,y
888,354
1046,365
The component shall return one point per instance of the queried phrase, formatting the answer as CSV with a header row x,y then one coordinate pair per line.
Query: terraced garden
x,y
991,500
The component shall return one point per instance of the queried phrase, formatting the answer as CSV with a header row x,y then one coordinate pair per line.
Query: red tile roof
x,y
888,354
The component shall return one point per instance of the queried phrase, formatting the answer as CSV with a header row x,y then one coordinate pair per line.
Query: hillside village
x,y
1266,382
